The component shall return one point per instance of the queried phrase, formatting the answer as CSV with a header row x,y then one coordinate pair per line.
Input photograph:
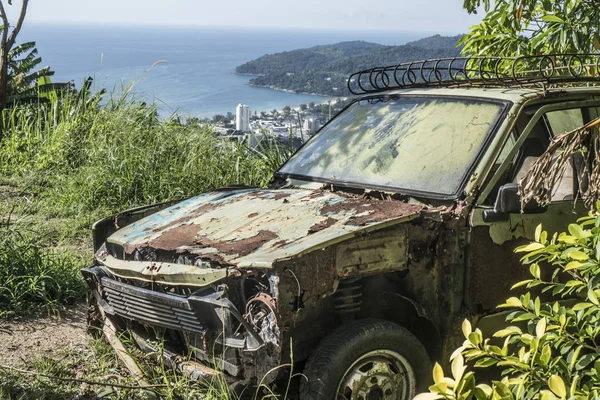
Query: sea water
x,y
186,70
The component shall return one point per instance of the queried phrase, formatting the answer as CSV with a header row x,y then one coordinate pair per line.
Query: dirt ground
x,y
23,340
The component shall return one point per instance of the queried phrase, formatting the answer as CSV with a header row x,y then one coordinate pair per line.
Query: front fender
x,y
105,227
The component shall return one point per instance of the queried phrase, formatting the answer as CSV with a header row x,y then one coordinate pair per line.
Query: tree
x,y
7,41
25,82
530,27
286,110
303,107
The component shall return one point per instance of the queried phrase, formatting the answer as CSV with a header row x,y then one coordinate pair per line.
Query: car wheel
x,y
367,360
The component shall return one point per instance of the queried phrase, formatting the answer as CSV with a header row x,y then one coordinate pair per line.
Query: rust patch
x,y
194,213
252,215
170,239
174,238
240,247
279,196
319,226
370,211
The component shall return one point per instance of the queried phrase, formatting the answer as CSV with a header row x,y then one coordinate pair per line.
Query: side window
x,y
508,146
551,124
564,120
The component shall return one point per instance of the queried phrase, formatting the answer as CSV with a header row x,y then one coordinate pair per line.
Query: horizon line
x,y
174,25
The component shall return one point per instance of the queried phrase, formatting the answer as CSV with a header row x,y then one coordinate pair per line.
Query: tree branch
x,y
5,24
13,35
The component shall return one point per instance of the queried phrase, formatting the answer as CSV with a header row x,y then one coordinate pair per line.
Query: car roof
x,y
515,95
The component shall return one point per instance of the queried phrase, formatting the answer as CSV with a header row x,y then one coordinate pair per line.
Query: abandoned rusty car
x,y
386,229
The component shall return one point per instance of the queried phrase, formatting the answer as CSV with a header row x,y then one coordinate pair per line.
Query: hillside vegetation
x,y
324,69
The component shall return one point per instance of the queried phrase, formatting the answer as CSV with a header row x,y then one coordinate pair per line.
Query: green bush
x,y
551,349
33,278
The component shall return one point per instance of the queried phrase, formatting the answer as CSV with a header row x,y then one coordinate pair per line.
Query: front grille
x,y
150,307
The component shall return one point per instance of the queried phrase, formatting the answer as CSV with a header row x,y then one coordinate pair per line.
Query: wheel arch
x,y
411,315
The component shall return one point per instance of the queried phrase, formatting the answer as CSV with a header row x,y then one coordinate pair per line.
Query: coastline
x,y
292,91
280,89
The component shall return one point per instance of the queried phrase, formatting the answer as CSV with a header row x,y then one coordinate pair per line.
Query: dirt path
x,y
22,341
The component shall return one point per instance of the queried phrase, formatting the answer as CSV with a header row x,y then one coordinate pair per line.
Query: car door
x,y
492,265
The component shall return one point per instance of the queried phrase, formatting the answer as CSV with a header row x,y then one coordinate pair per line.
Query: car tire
x,y
376,358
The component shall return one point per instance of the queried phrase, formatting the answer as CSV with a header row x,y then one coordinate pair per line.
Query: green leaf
x,y
579,255
530,247
573,265
458,368
577,231
538,232
438,373
568,239
581,306
556,384
551,18
544,237
522,283
540,328
534,269
466,328
584,361
509,331
475,338
428,396
511,302
592,297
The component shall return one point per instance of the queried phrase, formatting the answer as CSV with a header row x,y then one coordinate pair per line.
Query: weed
x,y
32,277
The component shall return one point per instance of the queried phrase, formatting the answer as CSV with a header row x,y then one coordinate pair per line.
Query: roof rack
x,y
524,71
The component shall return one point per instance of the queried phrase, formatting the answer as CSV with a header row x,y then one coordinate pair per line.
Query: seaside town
x,y
296,124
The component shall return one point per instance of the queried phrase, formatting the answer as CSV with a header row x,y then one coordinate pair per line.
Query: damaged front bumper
x,y
200,332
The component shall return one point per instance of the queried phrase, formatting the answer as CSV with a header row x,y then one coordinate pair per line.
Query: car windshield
x,y
420,144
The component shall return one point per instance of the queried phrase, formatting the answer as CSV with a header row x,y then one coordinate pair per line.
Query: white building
x,y
310,126
242,118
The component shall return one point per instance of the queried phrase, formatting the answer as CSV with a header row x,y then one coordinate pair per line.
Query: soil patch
x,y
23,340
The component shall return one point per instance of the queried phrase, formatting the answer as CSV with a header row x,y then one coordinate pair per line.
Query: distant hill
x,y
324,69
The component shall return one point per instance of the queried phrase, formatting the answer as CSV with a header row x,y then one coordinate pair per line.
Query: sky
x,y
442,16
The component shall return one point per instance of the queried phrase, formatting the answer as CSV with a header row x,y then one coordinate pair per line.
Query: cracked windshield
x,y
417,144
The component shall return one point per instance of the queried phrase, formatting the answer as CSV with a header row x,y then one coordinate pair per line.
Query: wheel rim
x,y
378,375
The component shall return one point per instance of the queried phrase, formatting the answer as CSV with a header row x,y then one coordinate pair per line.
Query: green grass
x,y
65,165
59,376
99,364
33,277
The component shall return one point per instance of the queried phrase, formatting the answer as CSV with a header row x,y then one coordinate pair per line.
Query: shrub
x,y
550,350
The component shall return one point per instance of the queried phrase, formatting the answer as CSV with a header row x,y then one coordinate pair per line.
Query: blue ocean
x,y
186,70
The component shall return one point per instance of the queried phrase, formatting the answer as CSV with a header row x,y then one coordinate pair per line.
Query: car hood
x,y
257,227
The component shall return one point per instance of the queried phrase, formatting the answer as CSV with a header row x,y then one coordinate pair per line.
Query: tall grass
x,y
121,154
89,155
32,277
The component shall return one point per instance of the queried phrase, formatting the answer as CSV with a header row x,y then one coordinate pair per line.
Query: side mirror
x,y
508,202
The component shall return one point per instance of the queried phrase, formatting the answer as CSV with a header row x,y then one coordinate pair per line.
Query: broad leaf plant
x,y
551,346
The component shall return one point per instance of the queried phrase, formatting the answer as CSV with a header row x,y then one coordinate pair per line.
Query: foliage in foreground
x,y
550,349
527,27
32,277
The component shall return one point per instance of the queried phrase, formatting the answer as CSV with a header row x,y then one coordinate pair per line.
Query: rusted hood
x,y
256,227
